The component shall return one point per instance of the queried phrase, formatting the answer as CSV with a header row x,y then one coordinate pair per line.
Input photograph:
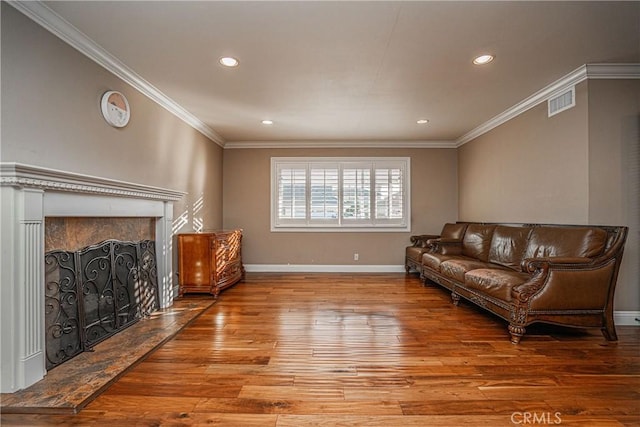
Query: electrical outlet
x,y
356,256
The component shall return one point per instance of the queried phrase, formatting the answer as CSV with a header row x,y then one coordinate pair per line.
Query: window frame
x,y
341,224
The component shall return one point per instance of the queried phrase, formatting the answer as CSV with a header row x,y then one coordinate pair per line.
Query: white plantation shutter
x,y
356,193
292,193
388,194
315,194
325,192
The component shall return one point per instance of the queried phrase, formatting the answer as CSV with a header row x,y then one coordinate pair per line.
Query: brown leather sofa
x,y
527,273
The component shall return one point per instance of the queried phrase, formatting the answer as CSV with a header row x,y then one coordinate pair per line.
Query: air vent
x,y
562,101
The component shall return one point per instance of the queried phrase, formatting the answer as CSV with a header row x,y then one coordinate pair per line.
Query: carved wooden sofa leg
x,y
455,298
609,328
423,279
407,265
516,332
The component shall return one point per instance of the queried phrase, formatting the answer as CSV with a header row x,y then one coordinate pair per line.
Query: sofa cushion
x,y
566,242
453,231
495,282
433,260
457,267
508,245
477,241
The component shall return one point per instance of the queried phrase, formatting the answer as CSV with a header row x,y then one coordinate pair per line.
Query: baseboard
x,y
626,318
313,268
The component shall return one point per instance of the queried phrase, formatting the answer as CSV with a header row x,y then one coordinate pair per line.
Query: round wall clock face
x,y
115,108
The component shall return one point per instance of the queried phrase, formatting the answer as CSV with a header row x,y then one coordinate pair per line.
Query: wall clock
x,y
115,108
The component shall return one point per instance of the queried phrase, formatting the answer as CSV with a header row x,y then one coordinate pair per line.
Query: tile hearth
x,y
71,386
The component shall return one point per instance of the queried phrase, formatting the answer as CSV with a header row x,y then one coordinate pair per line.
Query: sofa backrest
x,y
508,245
477,241
453,231
546,241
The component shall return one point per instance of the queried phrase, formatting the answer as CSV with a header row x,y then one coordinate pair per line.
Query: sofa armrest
x,y
531,265
550,275
445,246
421,240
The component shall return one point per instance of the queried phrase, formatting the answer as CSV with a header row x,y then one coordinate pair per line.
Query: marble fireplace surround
x,y
28,194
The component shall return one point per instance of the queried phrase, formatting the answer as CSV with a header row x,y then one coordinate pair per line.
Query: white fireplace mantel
x,y
28,194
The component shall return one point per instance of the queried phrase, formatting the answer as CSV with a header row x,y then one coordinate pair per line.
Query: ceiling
x,y
354,70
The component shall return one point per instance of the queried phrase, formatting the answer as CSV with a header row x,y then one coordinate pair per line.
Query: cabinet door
x,y
221,251
228,261
195,266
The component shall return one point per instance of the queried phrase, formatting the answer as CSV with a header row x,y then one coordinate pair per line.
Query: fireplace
x,y
94,293
29,194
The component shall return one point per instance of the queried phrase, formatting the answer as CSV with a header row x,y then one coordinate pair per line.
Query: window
x,y
356,194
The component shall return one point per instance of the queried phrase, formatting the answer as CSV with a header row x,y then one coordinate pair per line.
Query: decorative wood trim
x,y
339,144
164,255
22,339
613,71
28,176
47,18
582,73
33,280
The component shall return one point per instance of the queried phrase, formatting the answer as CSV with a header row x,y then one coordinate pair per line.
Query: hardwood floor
x,y
367,350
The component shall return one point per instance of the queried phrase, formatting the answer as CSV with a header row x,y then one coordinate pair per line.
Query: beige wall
x,y
51,117
247,205
578,167
614,173
530,169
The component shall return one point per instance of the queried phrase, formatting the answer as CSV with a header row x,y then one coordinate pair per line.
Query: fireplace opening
x,y
95,290
94,293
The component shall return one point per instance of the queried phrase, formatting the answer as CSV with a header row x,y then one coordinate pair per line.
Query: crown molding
x,y
580,74
51,21
29,176
339,144
613,71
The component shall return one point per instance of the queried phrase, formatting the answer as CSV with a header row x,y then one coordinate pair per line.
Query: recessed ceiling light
x,y
267,122
228,61
422,121
483,59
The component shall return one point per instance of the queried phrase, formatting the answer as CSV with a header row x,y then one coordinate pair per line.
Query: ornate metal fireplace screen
x,y
94,293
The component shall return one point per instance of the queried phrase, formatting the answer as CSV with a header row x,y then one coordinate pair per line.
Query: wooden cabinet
x,y
209,262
